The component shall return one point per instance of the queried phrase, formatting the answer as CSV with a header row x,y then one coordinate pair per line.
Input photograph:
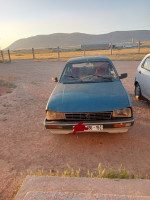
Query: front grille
x,y
89,116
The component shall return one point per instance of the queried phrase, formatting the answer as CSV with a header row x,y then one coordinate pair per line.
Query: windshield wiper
x,y
99,76
74,80
104,77
78,78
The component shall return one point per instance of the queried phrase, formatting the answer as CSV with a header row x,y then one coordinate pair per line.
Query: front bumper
x,y
66,127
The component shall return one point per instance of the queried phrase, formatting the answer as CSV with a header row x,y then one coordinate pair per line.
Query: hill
x,y
72,39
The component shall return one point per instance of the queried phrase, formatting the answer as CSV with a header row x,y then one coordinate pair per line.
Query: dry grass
x,y
146,43
6,82
101,172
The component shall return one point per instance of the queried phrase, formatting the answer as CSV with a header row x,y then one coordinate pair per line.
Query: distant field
x,y
146,43
117,54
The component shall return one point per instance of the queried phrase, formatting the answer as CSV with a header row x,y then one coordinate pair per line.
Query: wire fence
x,y
122,51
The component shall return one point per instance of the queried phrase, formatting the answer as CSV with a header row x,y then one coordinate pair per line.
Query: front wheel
x,y
138,94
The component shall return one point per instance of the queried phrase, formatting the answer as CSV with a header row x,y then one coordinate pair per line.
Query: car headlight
x,y
125,112
52,115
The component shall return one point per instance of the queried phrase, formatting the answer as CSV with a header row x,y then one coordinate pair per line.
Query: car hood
x,y
88,97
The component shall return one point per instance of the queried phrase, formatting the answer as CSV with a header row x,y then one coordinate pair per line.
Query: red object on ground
x,y
79,127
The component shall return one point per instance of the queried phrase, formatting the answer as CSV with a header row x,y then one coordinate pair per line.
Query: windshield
x,y
88,72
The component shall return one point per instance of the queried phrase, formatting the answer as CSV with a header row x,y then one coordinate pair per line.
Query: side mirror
x,y
123,76
55,79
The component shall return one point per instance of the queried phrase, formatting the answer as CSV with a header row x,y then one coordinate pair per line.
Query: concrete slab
x,y
35,188
78,196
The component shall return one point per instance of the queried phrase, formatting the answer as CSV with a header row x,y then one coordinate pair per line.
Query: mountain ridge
x,y
73,39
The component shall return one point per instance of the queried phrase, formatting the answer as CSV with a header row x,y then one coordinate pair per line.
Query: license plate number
x,y
95,127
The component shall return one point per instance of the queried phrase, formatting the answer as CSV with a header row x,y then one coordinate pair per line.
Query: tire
x,y
137,91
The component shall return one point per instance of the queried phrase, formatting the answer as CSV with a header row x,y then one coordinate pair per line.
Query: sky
x,y
25,18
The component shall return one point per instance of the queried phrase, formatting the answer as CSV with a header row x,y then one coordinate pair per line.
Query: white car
x,y
142,80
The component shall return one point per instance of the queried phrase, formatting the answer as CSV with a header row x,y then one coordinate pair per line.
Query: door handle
x,y
140,71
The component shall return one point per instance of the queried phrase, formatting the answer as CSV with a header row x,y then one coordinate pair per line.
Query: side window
x,y
146,64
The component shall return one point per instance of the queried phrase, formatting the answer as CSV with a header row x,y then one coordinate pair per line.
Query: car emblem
x,y
87,116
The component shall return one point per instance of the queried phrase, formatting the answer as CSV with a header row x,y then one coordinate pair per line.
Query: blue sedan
x,y
89,97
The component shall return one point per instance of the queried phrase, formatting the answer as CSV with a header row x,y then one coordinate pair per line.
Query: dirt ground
x,y
26,144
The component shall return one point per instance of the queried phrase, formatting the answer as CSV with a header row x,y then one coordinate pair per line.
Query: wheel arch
x,y
136,82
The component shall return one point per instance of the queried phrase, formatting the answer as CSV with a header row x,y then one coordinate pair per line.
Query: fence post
x,y
58,51
2,55
33,53
139,46
84,50
9,56
111,48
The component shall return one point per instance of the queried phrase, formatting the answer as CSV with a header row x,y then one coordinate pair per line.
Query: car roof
x,y
89,59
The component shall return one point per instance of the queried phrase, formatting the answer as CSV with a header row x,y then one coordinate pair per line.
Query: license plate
x,y
81,127
95,127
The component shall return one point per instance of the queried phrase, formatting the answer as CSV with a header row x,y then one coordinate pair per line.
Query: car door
x,y
144,75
